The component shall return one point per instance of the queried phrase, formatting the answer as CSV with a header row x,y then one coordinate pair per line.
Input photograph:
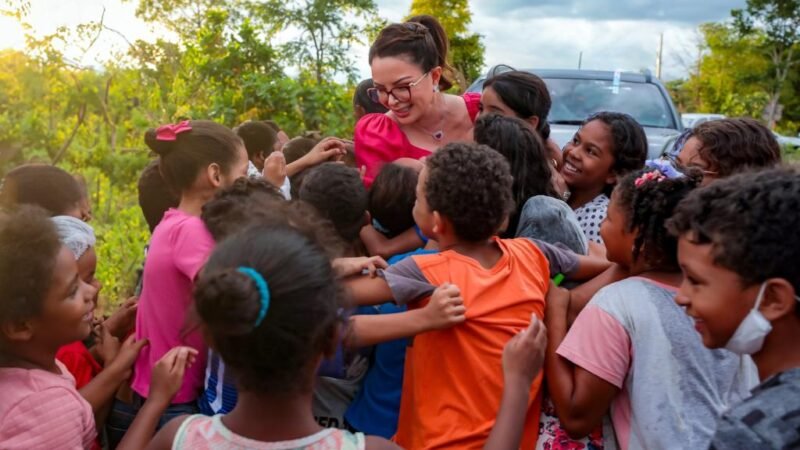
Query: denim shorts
x,y
122,415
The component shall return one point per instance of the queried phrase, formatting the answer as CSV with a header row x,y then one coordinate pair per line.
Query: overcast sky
x,y
612,34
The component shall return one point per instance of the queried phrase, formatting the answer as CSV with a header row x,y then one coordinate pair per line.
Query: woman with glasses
x,y
408,62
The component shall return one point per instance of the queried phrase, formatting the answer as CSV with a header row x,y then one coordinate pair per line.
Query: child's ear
x,y
17,331
367,218
611,179
214,173
779,300
438,224
533,121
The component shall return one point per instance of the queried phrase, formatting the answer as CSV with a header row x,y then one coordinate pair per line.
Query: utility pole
x,y
580,60
659,55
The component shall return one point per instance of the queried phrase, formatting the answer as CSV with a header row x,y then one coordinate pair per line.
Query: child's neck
x,y
271,418
664,276
780,351
583,196
29,356
487,252
192,201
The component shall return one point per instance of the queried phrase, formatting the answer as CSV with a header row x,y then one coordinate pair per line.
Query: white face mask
x,y
749,337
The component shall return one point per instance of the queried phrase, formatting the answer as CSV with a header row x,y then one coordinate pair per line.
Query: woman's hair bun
x,y
160,147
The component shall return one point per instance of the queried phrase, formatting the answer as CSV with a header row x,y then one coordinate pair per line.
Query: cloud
x,y
687,11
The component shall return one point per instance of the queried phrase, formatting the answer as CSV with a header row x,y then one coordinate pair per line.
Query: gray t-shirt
x,y
768,419
672,388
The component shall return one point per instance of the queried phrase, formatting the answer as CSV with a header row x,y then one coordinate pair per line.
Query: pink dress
x,y
178,250
379,139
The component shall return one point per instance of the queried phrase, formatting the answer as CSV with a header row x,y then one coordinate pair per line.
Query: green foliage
x,y
224,66
466,49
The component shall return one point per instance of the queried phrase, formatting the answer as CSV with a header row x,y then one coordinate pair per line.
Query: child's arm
x,y
100,391
403,282
581,295
347,267
580,398
589,267
365,290
523,356
166,379
380,245
445,309
326,150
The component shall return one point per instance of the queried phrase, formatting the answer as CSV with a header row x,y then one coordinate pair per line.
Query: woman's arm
x,y
580,398
445,309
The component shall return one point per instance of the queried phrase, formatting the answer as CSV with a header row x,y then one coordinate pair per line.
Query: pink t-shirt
x,y
379,140
178,250
40,409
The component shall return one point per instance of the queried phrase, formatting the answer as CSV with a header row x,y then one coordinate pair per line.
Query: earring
x,y
436,89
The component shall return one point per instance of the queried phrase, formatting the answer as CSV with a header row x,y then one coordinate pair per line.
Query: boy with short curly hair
x,y
463,199
738,247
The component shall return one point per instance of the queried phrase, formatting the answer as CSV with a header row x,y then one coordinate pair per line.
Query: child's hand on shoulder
x,y
523,355
275,169
367,265
445,308
128,352
167,375
120,324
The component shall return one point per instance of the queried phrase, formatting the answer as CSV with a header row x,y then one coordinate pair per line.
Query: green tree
x,y
466,49
778,21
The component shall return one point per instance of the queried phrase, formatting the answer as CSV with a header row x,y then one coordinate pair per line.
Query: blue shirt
x,y
376,408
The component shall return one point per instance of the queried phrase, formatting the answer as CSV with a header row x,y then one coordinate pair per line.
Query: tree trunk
x,y
63,150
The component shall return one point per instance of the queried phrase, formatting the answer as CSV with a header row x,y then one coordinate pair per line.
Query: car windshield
x,y
575,99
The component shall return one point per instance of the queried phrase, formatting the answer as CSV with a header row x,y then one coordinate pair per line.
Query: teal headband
x,y
263,291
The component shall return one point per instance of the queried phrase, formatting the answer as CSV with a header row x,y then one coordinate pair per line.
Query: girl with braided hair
x,y
635,327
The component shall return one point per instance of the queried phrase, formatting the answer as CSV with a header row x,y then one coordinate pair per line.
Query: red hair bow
x,y
171,131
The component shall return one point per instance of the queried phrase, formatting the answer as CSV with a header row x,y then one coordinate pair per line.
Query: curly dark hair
x,y
336,191
392,196
470,184
732,145
647,208
301,323
29,246
43,185
233,208
630,141
751,220
251,202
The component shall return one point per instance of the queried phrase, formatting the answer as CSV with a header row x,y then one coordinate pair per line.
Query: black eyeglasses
x,y
400,93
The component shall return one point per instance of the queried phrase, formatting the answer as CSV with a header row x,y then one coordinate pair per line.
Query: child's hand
x,y
275,169
328,149
345,267
127,355
106,345
445,308
167,374
523,355
120,324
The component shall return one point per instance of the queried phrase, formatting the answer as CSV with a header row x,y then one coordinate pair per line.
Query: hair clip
x,y
171,131
654,175
263,291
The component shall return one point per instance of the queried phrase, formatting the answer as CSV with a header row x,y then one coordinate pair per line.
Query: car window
x,y
574,100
